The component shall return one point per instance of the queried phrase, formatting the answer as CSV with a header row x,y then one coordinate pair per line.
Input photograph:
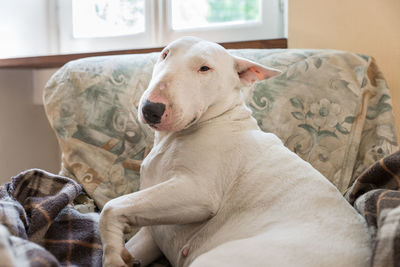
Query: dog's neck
x,y
237,111
221,106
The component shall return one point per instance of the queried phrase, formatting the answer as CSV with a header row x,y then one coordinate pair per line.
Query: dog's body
x,y
215,189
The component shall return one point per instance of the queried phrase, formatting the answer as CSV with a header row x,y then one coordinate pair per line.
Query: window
x,y
105,18
192,14
98,25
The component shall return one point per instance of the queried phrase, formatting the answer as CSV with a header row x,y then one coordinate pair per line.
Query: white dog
x,y
215,189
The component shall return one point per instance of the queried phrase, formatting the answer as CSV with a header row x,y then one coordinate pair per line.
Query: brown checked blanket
x,y
39,227
376,195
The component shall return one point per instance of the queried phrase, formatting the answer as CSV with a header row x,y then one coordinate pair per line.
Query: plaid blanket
x,y
376,195
39,227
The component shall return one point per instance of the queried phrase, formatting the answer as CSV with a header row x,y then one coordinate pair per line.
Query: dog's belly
x,y
273,227
174,241
275,204
275,192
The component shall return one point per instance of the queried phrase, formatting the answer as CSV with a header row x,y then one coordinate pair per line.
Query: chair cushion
x,y
332,108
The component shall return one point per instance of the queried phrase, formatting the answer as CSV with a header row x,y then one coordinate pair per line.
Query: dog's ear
x,y
249,71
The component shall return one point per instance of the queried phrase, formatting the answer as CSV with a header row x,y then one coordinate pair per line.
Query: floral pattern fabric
x,y
332,108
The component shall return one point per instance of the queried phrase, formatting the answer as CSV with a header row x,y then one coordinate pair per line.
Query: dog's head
x,y
193,77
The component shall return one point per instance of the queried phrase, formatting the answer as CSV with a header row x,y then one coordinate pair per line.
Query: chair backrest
x,y
332,108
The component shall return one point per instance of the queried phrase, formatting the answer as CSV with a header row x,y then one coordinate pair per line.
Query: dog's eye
x,y
164,55
204,68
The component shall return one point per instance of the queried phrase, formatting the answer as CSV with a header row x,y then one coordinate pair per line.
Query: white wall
x,y
26,139
370,27
24,30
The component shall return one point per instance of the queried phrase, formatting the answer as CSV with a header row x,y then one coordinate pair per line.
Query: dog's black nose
x,y
152,112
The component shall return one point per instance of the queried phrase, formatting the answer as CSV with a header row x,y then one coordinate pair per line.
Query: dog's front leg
x,y
179,200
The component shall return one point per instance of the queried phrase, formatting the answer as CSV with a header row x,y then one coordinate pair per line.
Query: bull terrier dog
x,y
218,191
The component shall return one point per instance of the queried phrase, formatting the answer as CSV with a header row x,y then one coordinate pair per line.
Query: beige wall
x,y
26,139
363,26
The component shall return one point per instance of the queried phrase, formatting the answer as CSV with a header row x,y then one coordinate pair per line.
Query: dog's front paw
x,y
111,258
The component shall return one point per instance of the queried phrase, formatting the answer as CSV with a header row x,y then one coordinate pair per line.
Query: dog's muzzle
x,y
152,112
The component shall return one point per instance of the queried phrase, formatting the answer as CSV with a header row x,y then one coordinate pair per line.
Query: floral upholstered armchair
x,y
332,108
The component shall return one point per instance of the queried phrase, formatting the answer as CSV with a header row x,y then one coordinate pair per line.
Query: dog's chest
x,y
171,239
156,167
